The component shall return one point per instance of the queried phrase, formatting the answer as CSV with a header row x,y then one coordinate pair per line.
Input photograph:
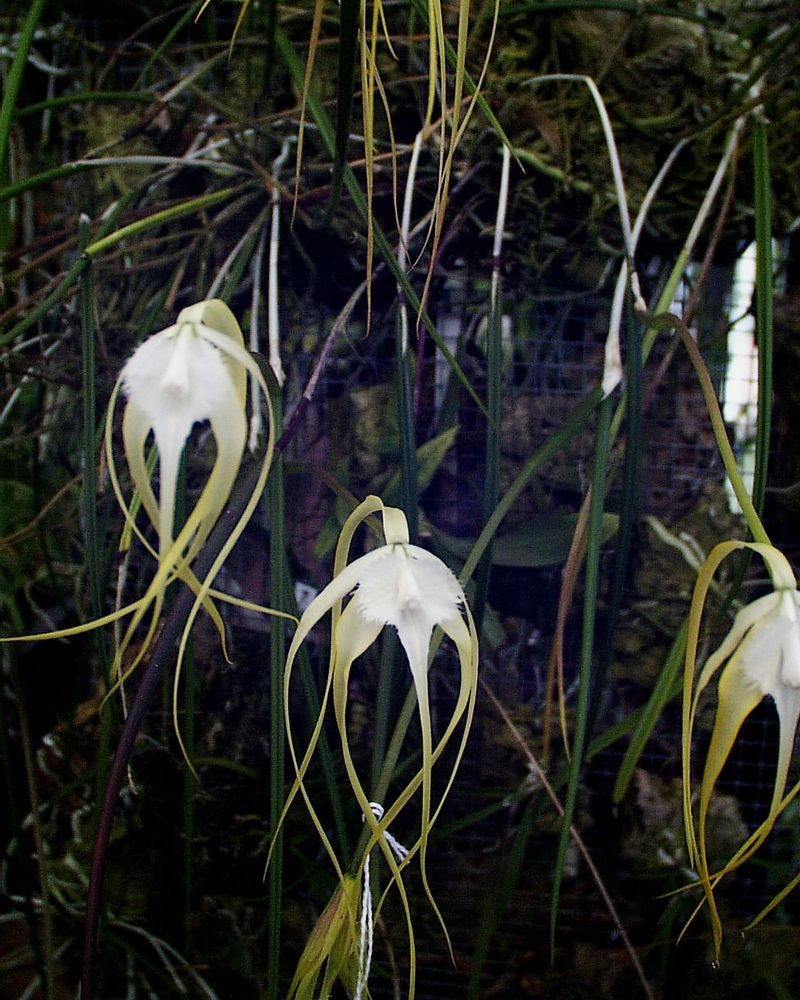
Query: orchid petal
x,y
787,703
413,590
135,430
195,370
742,623
760,656
72,630
737,699
229,426
704,580
354,635
335,591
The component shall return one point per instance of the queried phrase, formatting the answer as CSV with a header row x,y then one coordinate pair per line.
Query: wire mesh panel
x,y
492,857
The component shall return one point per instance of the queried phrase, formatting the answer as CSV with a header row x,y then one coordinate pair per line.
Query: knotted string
x,y
366,934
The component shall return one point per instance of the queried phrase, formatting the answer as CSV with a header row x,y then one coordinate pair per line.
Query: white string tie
x,y
367,928
400,852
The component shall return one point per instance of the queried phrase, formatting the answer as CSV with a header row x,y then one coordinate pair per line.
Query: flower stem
x,y
591,583
763,219
12,84
274,505
749,512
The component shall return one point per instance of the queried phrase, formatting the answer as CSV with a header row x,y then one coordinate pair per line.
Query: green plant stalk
x,y
275,499
781,42
268,15
14,79
158,218
345,94
718,426
494,388
380,788
629,508
763,218
9,191
189,678
409,494
311,695
233,278
89,434
384,700
10,93
591,581
102,163
491,486
89,507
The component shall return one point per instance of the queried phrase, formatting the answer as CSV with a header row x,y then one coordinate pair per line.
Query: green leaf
x,y
429,457
544,542
345,92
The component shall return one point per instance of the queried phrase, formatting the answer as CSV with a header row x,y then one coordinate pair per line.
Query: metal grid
x,y
552,357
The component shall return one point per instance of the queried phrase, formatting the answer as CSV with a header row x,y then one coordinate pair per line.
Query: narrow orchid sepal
x,y
759,657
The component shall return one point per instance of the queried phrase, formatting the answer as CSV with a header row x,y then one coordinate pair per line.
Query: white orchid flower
x,y
404,586
174,380
192,372
759,657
